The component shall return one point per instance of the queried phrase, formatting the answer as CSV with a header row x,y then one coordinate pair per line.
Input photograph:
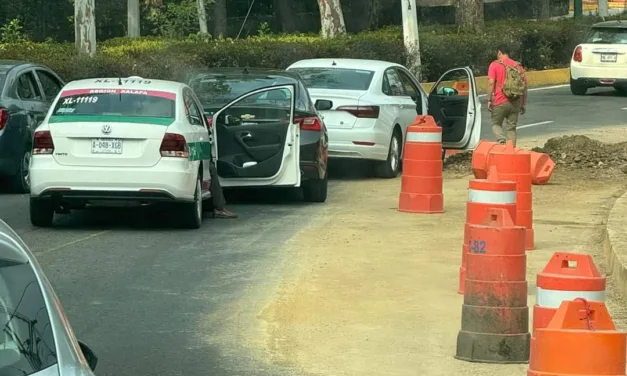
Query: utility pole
x,y
604,9
577,9
410,37
133,18
202,16
85,27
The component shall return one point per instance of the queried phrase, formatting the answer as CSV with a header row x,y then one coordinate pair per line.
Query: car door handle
x,y
245,135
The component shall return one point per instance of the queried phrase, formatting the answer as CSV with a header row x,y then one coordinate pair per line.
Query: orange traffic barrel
x,y
516,167
541,164
483,195
581,339
495,315
542,167
422,182
565,277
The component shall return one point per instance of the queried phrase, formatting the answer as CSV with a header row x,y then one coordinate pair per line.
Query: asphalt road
x,y
153,300
557,110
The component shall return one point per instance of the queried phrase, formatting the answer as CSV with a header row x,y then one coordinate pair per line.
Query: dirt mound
x,y
459,163
583,153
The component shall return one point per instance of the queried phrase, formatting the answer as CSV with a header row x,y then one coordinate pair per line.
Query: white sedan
x,y
112,139
373,102
600,59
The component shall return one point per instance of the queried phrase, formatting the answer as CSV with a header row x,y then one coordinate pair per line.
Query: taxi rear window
x,y
116,102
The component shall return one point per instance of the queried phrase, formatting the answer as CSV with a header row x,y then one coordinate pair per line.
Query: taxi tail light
x,y
368,112
309,123
42,143
174,145
578,54
4,118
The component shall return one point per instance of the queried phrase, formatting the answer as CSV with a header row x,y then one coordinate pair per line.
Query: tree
x,y
411,37
331,18
133,18
202,16
469,14
219,18
85,27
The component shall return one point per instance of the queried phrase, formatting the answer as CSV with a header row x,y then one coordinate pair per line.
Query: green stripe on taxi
x,y
110,119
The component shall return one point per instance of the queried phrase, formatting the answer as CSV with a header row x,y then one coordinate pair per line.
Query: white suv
x,y
601,60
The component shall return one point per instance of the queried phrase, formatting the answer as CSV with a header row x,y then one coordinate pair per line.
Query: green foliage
x,y
12,32
264,29
175,19
539,45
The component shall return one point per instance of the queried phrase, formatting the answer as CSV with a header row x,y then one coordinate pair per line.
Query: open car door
x,y
455,106
257,141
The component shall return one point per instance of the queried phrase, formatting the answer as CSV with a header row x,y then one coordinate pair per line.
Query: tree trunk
x,y
133,18
285,15
85,27
219,19
202,16
331,18
469,14
604,9
411,37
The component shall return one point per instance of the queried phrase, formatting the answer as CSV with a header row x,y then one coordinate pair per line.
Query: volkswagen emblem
x,y
106,129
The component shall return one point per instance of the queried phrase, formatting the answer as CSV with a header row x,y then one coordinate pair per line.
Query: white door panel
x,y
257,141
458,112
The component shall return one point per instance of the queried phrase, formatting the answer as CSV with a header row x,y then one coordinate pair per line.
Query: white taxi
x,y
601,59
121,139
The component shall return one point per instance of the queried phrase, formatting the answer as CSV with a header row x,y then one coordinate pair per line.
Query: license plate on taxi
x,y
106,146
608,58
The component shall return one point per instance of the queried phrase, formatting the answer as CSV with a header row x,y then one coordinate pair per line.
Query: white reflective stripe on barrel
x,y
424,136
491,197
553,298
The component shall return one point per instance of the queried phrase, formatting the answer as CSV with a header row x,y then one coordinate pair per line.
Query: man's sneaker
x,y
224,214
502,142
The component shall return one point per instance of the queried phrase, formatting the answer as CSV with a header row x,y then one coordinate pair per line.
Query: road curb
x,y
541,78
615,242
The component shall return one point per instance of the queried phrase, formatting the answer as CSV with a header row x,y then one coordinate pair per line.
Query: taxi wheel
x,y
315,190
41,213
192,212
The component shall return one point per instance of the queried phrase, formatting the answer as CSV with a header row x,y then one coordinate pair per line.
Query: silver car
x,y
35,335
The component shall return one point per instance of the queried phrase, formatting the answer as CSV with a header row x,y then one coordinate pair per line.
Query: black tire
x,y
191,212
391,167
577,89
20,182
315,190
41,212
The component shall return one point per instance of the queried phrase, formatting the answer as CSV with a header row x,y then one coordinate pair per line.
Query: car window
x,y
272,106
192,112
335,78
607,35
116,102
27,342
49,83
303,100
27,87
215,91
392,84
410,88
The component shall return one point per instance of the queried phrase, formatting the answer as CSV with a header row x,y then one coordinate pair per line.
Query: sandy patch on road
x,y
375,292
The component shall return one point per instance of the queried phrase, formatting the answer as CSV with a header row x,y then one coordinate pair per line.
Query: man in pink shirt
x,y
504,108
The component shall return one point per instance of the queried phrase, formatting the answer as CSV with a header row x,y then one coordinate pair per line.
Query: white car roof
x,y
131,83
363,64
